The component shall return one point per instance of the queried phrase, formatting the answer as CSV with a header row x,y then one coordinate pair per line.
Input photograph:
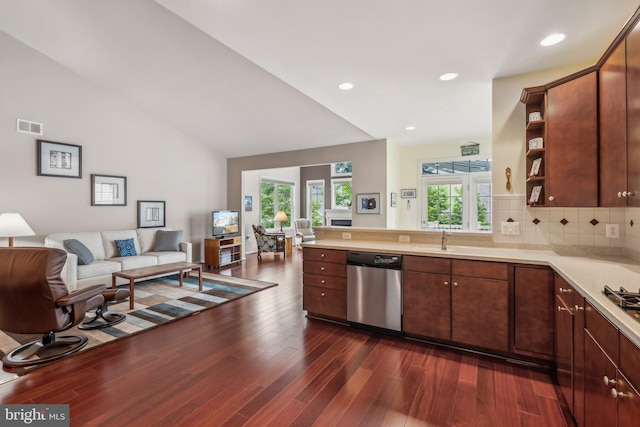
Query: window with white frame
x,y
341,193
456,195
341,169
276,195
315,202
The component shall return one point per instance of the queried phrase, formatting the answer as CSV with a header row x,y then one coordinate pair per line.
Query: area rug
x,y
157,302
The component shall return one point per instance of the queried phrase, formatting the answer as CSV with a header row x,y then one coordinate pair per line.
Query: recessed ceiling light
x,y
410,128
552,39
448,76
345,86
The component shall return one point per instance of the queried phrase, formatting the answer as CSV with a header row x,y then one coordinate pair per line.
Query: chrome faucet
x,y
443,240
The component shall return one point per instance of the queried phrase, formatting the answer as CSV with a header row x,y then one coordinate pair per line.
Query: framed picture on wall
x,y
59,159
368,203
248,203
151,214
408,193
108,190
394,200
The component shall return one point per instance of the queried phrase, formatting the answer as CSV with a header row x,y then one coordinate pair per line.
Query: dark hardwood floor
x,y
259,361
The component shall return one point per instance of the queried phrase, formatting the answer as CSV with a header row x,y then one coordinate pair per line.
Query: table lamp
x,y
13,225
280,217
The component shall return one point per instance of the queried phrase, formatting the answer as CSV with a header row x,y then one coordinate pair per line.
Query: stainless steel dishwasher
x,y
374,289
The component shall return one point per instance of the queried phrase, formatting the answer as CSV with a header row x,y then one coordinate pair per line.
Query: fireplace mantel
x,y
338,217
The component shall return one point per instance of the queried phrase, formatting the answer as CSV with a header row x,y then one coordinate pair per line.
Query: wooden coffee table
x,y
155,270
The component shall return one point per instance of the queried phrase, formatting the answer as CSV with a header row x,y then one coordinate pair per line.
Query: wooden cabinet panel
x,y
571,150
630,360
485,269
426,264
613,128
480,312
324,268
221,252
633,115
603,332
326,255
426,304
628,402
578,304
324,281
600,407
326,302
564,349
533,311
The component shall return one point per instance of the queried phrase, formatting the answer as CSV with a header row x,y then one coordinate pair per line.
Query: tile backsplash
x,y
581,229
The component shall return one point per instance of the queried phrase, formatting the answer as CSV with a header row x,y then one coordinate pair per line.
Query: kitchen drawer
x,y
324,301
486,269
326,255
324,268
630,360
323,281
603,332
426,264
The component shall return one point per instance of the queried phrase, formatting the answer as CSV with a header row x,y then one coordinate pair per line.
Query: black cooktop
x,y
628,301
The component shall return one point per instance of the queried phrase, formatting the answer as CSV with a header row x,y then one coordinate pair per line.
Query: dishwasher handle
x,y
375,260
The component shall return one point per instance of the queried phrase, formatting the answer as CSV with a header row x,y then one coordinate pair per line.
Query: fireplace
x,y
338,217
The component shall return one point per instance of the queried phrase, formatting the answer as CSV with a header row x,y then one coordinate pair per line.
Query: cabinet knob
x,y
561,308
321,255
446,283
616,394
609,381
578,308
626,193
551,198
455,284
322,281
321,294
321,268
564,291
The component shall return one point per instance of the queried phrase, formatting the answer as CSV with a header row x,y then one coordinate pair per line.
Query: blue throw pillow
x,y
126,248
167,240
74,246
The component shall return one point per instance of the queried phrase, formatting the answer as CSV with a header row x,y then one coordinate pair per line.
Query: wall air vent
x,y
25,126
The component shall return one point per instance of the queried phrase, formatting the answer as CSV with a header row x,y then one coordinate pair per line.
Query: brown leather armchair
x,y
35,300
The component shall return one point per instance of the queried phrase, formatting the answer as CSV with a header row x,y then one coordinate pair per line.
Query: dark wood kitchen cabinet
x,y
463,301
611,367
324,291
533,311
426,297
569,346
613,128
633,118
572,143
480,304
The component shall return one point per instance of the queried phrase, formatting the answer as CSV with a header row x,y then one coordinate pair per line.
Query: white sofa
x,y
106,260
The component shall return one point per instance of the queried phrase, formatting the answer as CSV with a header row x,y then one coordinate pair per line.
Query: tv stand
x,y
219,252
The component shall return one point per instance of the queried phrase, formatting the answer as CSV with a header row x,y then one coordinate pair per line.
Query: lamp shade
x,y
281,216
13,225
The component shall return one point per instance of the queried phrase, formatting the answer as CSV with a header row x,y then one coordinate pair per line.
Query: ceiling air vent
x,y
25,126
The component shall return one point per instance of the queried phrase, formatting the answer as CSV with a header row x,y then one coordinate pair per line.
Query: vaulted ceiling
x,y
256,76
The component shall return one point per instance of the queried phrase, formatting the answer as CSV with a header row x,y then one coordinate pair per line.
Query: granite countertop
x,y
588,274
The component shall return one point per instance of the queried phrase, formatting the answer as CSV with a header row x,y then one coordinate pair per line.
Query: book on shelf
x,y
535,194
536,143
535,116
535,167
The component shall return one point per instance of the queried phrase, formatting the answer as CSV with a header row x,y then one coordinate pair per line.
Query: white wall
x,y
116,138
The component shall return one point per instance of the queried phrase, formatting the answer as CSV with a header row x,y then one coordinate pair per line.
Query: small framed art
x,y
151,214
408,193
108,190
394,200
368,203
59,159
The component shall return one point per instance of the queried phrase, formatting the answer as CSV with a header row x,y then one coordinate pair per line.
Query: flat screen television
x,y
225,223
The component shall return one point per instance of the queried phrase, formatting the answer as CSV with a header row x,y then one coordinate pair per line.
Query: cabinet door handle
x,y
609,381
578,308
561,308
321,268
564,290
321,294
626,193
551,198
322,281
616,394
446,283
321,255
455,284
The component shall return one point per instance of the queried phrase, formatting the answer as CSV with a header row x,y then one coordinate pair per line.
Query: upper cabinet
x,y
590,131
562,147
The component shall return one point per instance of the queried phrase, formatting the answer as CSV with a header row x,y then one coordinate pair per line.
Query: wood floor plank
x,y
260,361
